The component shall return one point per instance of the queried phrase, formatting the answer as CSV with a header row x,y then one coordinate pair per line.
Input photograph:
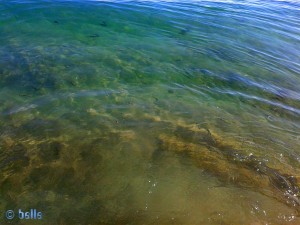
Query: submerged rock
x,y
230,165
195,135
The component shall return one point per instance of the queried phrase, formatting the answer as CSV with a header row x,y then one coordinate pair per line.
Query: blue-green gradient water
x,y
150,112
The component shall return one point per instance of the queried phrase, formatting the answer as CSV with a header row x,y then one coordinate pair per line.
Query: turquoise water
x,y
150,112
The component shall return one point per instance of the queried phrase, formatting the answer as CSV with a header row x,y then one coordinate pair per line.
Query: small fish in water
x,y
56,22
103,24
94,36
184,31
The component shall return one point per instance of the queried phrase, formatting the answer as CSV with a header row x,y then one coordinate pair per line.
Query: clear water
x,y
150,112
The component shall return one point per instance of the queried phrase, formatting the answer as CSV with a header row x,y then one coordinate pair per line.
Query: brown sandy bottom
x,y
141,169
135,112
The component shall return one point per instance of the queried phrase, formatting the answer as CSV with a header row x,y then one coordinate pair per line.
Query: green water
x,y
149,112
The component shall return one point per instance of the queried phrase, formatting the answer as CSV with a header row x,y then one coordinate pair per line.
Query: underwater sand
x,y
150,112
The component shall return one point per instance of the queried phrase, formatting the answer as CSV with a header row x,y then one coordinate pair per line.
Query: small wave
x,y
260,99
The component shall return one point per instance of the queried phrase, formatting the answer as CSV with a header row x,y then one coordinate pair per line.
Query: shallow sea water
x,y
150,112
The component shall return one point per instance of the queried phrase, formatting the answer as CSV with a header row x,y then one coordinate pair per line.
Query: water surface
x,y
150,112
